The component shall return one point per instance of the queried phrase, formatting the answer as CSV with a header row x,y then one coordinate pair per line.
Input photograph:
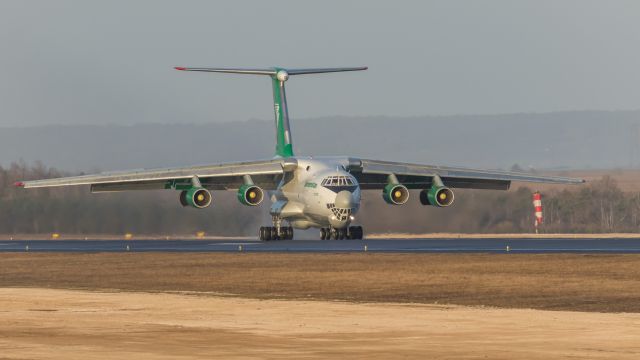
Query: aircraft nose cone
x,y
344,200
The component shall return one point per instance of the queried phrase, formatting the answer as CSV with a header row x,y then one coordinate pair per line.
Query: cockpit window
x,y
339,183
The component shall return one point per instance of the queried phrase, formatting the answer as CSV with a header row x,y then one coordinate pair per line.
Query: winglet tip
x,y
181,68
18,184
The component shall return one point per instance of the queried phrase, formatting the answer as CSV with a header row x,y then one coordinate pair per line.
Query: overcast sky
x,y
95,62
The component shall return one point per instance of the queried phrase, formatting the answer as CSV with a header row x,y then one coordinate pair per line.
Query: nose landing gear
x,y
352,233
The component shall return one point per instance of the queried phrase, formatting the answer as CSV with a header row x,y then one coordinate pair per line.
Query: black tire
x,y
266,233
290,232
334,234
284,233
360,233
323,234
353,233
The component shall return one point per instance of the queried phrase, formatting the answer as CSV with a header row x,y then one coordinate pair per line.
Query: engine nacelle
x,y
250,195
440,196
395,194
197,197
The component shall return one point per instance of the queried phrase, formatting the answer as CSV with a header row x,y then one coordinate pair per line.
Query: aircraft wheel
x,y
334,234
323,234
342,234
265,233
287,233
272,234
353,233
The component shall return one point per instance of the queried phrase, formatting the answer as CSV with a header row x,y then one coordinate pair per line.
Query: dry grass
x,y
606,283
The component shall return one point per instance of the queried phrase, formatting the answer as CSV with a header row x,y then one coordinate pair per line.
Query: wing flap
x,y
378,181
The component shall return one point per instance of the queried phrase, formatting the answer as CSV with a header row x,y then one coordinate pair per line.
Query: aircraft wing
x,y
373,174
265,174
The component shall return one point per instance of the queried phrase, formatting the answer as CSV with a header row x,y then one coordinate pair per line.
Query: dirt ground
x,y
71,324
603,283
267,306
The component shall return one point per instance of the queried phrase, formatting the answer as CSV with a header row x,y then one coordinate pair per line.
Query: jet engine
x,y
395,194
250,195
440,196
197,197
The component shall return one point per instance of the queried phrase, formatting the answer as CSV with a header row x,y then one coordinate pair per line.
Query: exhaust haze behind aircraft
x,y
306,191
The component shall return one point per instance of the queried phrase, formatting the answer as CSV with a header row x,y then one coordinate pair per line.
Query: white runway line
x,y
243,244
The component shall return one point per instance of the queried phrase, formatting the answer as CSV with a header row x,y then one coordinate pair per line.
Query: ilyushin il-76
x,y
305,191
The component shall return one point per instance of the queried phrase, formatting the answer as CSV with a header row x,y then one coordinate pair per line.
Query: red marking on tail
x,y
18,184
180,68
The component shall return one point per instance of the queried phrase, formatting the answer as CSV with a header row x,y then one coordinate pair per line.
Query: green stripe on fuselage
x,y
284,148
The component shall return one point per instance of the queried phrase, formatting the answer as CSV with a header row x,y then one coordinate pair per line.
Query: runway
x,y
458,245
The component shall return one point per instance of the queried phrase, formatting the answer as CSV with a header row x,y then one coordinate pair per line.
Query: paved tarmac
x,y
458,245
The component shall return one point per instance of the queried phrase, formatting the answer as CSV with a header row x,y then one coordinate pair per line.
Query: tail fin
x,y
284,144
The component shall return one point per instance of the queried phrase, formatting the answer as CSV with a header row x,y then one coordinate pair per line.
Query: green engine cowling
x,y
395,194
440,196
250,195
196,197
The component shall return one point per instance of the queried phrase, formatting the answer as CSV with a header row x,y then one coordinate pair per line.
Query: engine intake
x,y
197,197
395,194
440,196
250,195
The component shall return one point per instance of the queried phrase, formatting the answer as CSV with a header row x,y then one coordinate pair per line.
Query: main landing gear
x,y
352,233
275,232
268,233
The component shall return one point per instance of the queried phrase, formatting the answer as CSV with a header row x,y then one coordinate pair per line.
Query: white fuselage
x,y
320,192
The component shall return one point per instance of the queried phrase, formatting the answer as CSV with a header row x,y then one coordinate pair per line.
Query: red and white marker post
x,y
537,205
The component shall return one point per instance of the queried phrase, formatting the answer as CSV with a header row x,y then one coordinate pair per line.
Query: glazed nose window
x,y
339,183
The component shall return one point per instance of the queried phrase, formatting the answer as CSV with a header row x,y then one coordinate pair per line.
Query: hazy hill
x,y
586,139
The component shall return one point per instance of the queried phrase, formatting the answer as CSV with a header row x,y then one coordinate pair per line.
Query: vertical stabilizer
x,y
284,144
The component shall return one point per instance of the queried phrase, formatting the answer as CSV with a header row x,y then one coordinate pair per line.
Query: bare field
x,y
72,324
600,283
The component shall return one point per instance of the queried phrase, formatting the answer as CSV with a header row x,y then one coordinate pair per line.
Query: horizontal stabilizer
x,y
325,70
272,71
230,71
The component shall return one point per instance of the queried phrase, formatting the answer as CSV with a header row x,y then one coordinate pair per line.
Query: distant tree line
x,y
597,207
74,210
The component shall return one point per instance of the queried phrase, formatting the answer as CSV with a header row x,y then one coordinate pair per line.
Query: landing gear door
x,y
276,207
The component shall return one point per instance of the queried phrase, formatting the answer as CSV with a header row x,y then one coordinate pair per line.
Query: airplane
x,y
305,191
